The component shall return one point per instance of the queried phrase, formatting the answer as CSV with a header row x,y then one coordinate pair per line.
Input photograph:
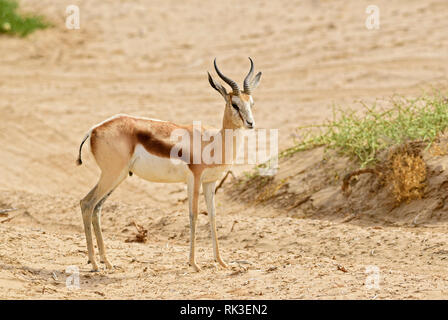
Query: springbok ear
x,y
255,81
217,86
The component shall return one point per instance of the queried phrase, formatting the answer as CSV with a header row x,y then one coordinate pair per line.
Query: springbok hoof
x,y
195,267
94,266
223,264
109,266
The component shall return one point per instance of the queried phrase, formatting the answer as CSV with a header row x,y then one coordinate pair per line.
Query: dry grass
x,y
406,174
141,236
269,191
438,150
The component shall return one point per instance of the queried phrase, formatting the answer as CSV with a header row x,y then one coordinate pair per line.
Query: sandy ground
x,y
150,58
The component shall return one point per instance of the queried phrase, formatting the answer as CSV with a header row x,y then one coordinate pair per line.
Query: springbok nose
x,y
250,124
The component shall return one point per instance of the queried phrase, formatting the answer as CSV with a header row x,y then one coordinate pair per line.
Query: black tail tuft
x,y
79,161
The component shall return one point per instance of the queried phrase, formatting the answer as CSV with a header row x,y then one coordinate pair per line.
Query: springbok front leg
x,y
194,183
209,194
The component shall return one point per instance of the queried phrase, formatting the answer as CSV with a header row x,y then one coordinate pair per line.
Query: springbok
x,y
125,144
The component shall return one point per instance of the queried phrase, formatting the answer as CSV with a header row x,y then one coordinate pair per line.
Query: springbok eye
x,y
235,107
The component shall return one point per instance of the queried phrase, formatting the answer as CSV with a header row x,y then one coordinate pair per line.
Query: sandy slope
x,y
150,58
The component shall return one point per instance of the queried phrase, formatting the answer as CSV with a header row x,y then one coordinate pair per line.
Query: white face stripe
x,y
245,111
236,99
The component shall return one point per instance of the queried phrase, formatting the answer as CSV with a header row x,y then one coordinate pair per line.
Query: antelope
x,y
126,144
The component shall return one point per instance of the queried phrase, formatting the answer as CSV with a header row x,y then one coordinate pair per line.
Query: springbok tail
x,y
79,161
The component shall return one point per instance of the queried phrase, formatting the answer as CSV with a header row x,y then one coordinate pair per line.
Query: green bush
x,y
362,135
15,24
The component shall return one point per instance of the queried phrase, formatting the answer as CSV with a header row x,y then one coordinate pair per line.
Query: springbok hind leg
x,y
86,209
105,185
96,218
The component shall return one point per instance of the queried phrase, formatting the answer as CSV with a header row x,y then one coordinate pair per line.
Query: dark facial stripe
x,y
239,113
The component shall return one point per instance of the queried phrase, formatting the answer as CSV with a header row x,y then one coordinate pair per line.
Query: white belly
x,y
214,173
157,169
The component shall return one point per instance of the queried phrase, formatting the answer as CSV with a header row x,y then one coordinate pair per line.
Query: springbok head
x,y
238,103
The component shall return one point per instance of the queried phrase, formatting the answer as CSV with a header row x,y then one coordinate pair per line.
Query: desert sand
x,y
150,58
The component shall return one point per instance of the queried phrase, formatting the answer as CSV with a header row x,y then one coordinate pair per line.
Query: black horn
x,y
248,78
230,82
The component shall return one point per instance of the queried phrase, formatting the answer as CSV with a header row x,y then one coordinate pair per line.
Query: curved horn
x,y
248,77
230,82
